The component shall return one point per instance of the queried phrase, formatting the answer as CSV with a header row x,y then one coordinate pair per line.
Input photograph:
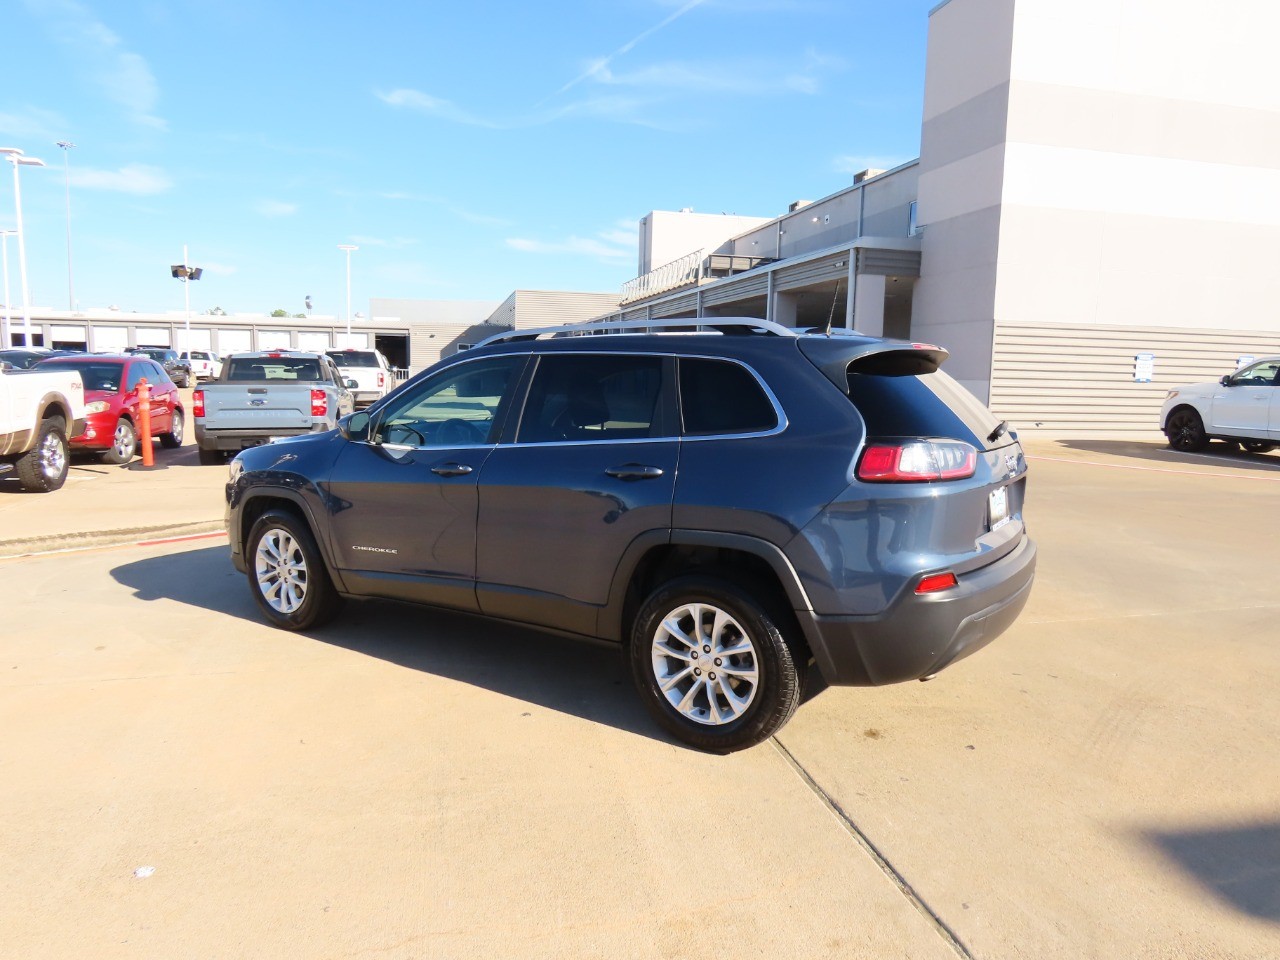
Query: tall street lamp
x,y
15,157
348,248
180,271
6,338
66,146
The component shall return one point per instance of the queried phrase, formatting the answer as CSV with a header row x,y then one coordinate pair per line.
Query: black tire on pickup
x,y
43,468
211,458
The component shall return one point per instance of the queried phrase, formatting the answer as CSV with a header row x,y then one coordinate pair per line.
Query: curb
x,y
62,542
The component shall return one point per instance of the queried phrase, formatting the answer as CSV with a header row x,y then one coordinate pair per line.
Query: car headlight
x,y
235,468
98,406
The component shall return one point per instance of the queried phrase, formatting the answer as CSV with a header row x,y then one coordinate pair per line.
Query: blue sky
x,y
467,149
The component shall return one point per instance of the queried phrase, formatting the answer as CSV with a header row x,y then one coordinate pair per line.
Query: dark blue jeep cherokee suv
x,y
728,501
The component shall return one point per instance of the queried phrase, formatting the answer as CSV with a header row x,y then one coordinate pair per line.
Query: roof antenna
x,y
832,316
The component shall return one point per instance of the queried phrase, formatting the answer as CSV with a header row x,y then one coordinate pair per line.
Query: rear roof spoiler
x,y
840,356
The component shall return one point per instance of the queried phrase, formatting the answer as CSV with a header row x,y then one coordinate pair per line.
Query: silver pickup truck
x,y
260,397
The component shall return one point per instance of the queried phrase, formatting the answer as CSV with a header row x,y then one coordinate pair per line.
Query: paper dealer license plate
x,y
998,507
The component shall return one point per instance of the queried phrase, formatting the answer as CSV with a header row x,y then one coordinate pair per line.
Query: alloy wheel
x,y
705,664
281,570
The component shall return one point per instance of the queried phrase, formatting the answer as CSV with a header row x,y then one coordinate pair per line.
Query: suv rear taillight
x,y
197,403
917,461
319,403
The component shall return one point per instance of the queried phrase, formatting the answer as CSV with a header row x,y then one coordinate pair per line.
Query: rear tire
x,y
1257,446
211,458
173,439
43,468
286,572
713,666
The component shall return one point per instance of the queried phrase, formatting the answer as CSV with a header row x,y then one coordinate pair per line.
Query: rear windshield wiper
x,y
1001,429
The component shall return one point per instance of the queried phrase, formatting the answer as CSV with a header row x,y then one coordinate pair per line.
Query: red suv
x,y
111,404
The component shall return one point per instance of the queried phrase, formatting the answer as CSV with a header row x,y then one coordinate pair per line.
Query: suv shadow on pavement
x,y
1238,864
580,679
1227,456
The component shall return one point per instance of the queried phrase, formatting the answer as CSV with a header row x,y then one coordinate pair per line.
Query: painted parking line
x,y
92,547
1185,473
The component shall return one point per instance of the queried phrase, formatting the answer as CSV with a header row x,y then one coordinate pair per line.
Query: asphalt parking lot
x,y
182,780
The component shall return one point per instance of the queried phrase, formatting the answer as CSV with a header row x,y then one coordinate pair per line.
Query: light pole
x,y
15,157
348,248
66,146
180,271
6,339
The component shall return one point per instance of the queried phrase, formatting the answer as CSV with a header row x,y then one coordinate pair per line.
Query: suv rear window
x,y
719,397
275,368
930,405
354,358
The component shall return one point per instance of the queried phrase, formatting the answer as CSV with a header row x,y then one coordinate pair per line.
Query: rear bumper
x,y
243,439
920,635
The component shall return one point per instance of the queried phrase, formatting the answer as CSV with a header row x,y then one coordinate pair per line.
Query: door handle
x,y
451,470
634,471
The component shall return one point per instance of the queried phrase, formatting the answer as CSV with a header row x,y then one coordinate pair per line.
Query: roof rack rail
x,y
730,326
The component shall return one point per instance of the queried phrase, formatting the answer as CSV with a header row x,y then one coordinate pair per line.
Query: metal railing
x,y
678,273
689,270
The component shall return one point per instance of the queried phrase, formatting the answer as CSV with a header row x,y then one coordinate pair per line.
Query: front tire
x,y
1185,431
124,443
43,468
713,666
287,575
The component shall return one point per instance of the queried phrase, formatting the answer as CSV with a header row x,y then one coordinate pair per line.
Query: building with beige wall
x,y
1097,180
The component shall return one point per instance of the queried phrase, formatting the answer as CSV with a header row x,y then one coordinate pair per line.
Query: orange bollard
x,y
144,422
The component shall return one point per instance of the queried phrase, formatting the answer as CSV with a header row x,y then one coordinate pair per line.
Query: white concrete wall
x,y
1142,165
667,235
961,179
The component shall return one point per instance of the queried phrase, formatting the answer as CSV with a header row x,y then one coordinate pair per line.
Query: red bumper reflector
x,y
937,582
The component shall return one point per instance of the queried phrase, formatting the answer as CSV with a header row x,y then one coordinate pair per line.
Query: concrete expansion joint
x,y
56,543
899,881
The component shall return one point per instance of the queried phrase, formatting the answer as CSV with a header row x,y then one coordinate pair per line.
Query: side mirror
x,y
355,426
1226,381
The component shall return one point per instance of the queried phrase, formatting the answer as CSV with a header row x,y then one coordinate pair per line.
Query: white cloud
x,y
136,178
276,208
421,102
604,247
121,75
32,123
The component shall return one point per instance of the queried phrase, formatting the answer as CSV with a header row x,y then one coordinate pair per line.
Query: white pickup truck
x,y
39,410
369,369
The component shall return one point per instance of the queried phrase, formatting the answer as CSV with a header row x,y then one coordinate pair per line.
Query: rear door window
x,y
585,397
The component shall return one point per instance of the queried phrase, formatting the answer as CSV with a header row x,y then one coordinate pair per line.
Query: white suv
x,y
369,369
1242,407
205,364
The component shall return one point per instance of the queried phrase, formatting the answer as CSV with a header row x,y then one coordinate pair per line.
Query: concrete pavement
x,y
1101,782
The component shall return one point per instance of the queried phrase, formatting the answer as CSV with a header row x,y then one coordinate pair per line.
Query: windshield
x,y
354,358
96,375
